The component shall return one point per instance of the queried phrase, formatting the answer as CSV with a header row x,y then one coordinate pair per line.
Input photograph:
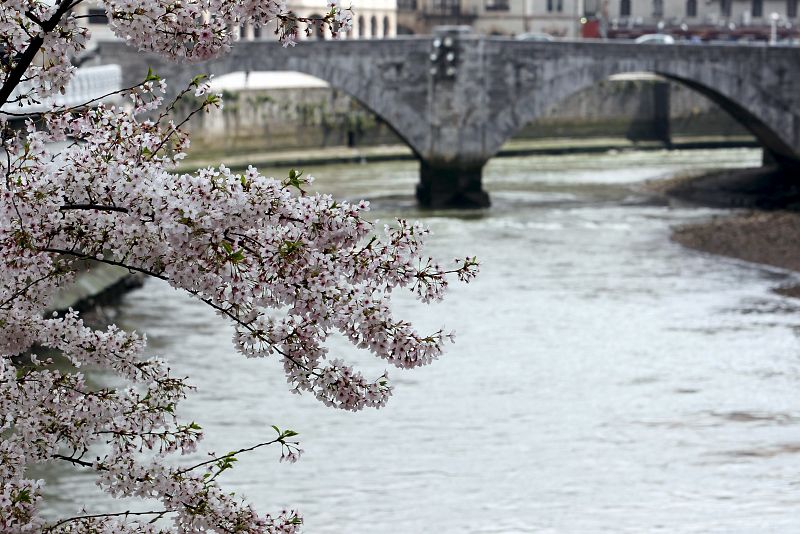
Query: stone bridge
x,y
456,97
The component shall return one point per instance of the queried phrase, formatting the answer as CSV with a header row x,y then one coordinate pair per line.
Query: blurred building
x,y
598,18
373,19
559,18
744,12
698,19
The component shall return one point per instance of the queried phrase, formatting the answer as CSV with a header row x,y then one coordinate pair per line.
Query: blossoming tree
x,y
286,267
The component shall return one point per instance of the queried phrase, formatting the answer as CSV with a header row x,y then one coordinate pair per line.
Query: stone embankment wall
x,y
276,119
628,108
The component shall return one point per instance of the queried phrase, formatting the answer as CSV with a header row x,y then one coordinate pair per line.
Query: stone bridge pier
x,y
452,159
456,97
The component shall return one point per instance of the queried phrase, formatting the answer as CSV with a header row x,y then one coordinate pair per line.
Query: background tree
x,y
286,267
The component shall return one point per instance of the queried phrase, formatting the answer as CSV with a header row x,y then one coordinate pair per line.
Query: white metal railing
x,y
87,84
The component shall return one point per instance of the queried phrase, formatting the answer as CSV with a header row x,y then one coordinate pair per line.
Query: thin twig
x,y
234,453
93,516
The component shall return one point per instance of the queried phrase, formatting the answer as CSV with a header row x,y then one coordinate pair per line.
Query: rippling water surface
x,y
604,379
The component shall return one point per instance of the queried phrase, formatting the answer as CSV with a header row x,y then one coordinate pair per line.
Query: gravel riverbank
x,y
769,233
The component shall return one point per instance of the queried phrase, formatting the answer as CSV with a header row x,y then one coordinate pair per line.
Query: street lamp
x,y
773,28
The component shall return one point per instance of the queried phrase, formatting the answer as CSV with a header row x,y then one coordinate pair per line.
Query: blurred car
x,y
535,36
655,38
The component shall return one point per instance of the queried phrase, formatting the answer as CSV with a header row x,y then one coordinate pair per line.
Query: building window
x,y
691,8
658,8
726,8
406,5
558,4
361,27
625,8
758,8
446,7
318,26
386,27
791,8
373,27
97,16
496,5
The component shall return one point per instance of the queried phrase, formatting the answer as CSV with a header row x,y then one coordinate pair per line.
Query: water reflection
x,y
604,379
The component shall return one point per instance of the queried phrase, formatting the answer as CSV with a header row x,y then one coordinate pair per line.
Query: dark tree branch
x,y
75,461
97,207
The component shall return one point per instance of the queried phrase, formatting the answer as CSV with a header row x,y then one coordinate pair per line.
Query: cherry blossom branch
x,y
230,455
226,311
177,128
15,75
22,291
241,243
84,256
59,109
127,513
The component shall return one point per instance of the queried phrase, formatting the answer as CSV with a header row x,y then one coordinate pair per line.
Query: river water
x,y
604,379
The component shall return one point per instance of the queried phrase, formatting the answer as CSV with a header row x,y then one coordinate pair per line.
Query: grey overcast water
x,y
604,379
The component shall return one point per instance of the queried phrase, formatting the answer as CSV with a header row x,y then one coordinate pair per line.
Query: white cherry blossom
x,y
286,267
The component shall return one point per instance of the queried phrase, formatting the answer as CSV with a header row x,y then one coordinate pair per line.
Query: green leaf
x,y
287,248
151,76
197,79
294,179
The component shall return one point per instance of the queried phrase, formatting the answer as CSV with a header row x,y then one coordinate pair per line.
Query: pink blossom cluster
x,y
38,38
286,267
200,29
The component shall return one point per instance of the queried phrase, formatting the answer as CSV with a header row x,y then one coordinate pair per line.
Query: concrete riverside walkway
x,y
302,158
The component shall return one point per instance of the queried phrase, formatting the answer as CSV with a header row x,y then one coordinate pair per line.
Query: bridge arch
x,y
729,90
384,121
379,85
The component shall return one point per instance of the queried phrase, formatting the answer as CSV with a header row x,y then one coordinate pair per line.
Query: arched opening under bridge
x,y
645,110
632,110
641,107
270,113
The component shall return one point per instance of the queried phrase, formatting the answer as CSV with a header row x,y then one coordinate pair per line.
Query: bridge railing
x,y
87,84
